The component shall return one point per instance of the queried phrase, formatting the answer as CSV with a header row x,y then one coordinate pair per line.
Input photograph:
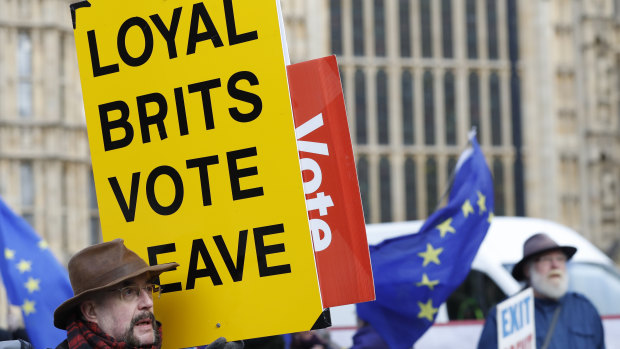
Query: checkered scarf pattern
x,y
86,335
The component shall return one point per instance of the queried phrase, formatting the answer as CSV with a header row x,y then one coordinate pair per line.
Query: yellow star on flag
x,y
8,253
482,206
491,216
24,266
426,282
430,255
426,310
28,307
32,284
43,244
445,227
467,208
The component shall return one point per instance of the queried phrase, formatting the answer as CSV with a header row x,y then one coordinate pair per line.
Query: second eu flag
x,y
416,273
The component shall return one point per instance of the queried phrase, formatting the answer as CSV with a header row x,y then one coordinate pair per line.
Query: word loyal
x,y
168,32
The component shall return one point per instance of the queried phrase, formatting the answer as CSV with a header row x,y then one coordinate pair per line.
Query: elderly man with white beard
x,y
562,319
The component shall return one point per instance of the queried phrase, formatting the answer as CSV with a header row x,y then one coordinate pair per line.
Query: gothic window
x,y
24,70
495,105
498,187
405,28
360,107
358,28
386,189
379,19
411,204
431,185
450,108
382,108
472,32
446,22
492,28
406,82
335,14
62,81
27,189
426,28
474,100
63,200
513,36
429,109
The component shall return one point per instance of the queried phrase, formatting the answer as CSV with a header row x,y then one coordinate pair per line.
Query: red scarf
x,y
86,335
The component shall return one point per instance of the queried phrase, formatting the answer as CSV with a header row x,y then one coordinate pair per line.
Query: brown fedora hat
x,y
101,266
536,245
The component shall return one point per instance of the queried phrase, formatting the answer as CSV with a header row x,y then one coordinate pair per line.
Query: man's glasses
x,y
132,292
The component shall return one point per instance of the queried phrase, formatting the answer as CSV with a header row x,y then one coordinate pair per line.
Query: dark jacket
x,y
367,337
579,324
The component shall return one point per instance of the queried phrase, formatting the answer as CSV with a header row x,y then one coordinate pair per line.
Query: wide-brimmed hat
x,y
535,246
101,266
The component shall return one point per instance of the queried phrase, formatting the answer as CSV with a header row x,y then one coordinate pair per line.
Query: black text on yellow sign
x,y
200,253
195,160
127,201
120,109
199,16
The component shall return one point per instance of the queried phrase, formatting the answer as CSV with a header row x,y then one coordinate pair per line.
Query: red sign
x,y
330,183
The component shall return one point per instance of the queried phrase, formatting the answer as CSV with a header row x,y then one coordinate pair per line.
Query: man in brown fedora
x,y
562,319
112,306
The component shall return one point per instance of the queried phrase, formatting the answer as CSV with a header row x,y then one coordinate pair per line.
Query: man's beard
x,y
130,339
551,288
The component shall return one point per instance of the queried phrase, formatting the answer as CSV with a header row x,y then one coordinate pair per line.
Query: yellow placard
x,y
195,161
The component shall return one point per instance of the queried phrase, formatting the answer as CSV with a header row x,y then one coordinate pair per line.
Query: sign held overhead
x,y
330,182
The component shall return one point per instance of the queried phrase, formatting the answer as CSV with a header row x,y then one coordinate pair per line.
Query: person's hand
x,y
221,343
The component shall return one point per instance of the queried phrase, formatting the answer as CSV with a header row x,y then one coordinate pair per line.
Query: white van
x,y
460,319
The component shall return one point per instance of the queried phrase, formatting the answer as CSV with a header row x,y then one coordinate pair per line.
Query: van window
x,y
599,283
474,298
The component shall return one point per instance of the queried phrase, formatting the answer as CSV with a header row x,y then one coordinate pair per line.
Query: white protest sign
x,y
515,322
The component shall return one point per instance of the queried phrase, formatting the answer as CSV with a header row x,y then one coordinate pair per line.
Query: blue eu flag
x,y
416,273
34,280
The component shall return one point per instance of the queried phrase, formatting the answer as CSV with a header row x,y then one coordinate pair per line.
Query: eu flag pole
x,y
34,280
416,273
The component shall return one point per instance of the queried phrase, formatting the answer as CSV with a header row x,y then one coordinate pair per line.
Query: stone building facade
x,y
538,79
571,113
44,155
